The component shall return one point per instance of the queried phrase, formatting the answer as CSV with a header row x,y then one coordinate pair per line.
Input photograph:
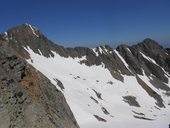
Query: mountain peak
x,y
151,44
149,47
26,29
27,24
23,31
24,35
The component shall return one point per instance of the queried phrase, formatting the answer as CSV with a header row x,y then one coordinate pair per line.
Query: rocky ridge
x,y
135,56
147,58
28,99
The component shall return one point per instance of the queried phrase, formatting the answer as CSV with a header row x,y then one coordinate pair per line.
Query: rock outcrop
x,y
28,99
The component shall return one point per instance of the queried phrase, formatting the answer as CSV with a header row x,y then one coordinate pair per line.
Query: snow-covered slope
x,y
105,88
97,100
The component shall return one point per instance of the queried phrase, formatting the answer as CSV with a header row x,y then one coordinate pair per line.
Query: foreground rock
x,y
27,98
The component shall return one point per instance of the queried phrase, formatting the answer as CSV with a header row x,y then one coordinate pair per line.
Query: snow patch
x,y
5,34
100,50
40,52
154,62
149,59
33,31
94,50
122,59
105,50
129,50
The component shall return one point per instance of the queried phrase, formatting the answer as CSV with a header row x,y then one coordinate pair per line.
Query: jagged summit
x,y
26,35
24,29
152,44
149,46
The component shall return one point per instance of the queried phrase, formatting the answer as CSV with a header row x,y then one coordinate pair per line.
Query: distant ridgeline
x,y
103,86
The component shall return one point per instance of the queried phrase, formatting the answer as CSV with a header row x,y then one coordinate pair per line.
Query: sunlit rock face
x,y
27,98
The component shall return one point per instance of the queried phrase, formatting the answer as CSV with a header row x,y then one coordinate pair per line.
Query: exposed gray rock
x,y
131,100
153,50
28,99
100,118
137,113
105,111
143,118
94,100
130,59
168,50
98,94
158,84
59,83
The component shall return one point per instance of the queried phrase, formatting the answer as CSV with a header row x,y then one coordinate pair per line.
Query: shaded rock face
x,y
28,99
26,35
153,50
131,100
138,63
130,58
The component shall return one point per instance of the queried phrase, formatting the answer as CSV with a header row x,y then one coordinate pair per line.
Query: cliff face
x,y
28,99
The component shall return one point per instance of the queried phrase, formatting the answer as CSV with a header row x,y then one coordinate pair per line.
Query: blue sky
x,y
91,22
